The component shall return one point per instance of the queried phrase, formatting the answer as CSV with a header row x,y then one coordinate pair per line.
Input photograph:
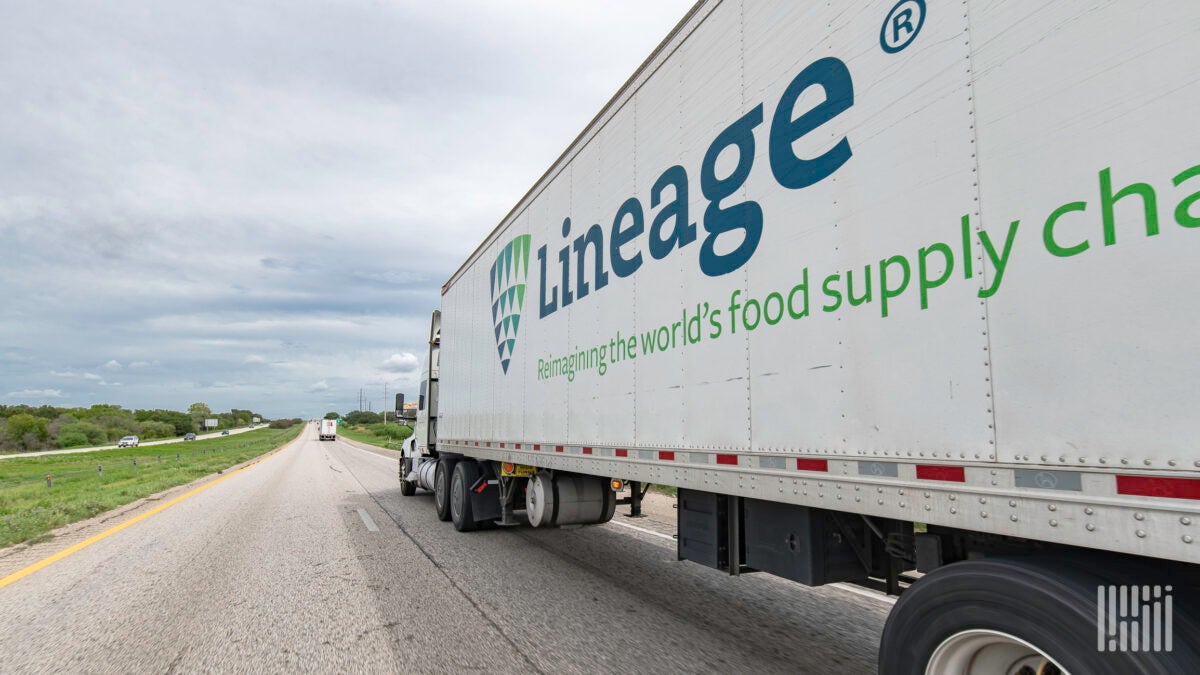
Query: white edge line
x,y
878,597
642,530
874,595
368,521
372,454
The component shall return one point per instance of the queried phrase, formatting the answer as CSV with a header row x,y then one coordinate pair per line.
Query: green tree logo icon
x,y
508,295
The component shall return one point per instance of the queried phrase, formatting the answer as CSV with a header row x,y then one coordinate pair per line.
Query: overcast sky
x,y
254,203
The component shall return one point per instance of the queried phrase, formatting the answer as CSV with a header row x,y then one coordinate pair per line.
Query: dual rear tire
x,y
1025,615
452,483
441,487
465,475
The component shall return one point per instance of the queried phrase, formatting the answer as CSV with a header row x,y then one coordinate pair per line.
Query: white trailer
x,y
899,294
328,430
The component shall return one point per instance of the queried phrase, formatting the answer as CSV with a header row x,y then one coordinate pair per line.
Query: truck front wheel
x,y
407,487
441,488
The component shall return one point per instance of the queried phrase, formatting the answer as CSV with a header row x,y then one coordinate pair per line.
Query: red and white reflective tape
x,y
956,474
1035,478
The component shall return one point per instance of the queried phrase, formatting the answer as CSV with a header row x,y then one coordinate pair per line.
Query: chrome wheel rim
x,y
990,652
456,497
439,488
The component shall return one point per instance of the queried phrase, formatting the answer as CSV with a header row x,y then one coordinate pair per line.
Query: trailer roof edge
x,y
623,94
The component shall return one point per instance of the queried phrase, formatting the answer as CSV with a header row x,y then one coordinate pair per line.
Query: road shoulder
x,y
18,556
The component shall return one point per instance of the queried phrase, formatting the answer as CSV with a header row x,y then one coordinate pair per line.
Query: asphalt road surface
x,y
310,560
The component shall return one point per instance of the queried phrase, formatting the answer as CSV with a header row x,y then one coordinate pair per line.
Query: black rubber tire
x,y
465,475
1048,601
441,488
407,487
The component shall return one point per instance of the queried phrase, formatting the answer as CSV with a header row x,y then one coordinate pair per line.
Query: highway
x,y
311,560
165,441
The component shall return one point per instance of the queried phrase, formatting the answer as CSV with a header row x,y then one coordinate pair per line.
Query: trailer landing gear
x,y
637,491
510,490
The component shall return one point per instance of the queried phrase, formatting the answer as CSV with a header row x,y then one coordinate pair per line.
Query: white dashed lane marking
x,y
366,518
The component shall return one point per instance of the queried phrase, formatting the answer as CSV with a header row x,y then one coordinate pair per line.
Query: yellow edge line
x,y
45,562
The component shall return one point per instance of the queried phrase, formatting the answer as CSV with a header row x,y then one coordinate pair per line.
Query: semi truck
x,y
328,430
897,294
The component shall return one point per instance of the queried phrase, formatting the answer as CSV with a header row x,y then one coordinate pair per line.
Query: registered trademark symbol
x,y
902,25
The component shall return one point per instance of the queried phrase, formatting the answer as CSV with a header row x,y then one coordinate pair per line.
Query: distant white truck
x,y
897,293
328,430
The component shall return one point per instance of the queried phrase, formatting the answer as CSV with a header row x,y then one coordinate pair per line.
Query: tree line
x,y
25,428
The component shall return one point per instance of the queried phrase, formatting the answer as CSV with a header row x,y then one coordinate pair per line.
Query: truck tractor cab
x,y
419,452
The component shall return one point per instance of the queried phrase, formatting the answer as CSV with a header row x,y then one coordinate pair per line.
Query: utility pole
x,y
384,408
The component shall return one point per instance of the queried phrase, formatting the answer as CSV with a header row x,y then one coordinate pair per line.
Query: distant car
x,y
225,433
189,437
127,442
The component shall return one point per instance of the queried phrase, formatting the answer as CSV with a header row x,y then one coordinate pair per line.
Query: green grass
x,y
364,435
29,509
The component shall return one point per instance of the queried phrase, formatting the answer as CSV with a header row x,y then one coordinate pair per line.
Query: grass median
x,y
365,435
82,485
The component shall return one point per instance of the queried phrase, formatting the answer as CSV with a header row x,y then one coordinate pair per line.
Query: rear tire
x,y
407,487
998,614
441,488
465,475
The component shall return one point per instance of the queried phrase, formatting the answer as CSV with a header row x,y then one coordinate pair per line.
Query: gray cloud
x,y
400,363
36,394
225,202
